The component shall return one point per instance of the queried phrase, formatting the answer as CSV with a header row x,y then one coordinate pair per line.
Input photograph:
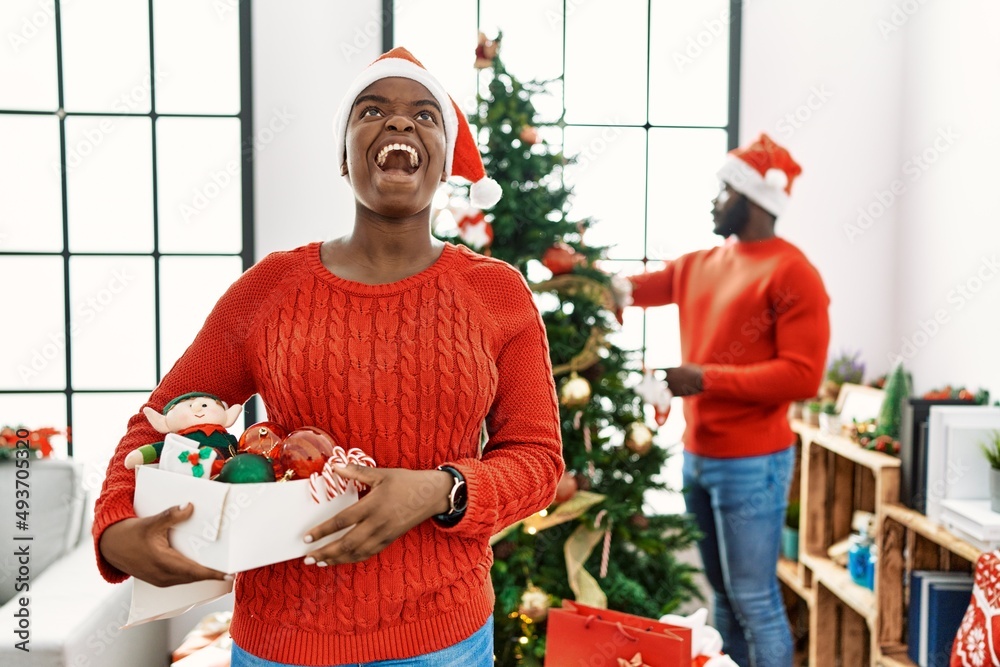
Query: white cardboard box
x,y
234,528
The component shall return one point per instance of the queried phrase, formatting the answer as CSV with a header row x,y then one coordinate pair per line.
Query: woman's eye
x,y
371,111
425,115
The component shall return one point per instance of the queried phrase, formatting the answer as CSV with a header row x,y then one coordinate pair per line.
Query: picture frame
x,y
956,466
859,402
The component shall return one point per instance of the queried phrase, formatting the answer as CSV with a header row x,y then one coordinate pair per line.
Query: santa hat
x,y
461,153
763,171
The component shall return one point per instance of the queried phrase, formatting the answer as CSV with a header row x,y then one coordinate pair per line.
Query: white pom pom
x,y
776,178
485,193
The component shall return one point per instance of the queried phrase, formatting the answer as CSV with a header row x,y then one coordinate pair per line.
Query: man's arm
x,y
655,288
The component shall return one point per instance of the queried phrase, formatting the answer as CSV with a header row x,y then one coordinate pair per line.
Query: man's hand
x,y
141,548
399,499
685,380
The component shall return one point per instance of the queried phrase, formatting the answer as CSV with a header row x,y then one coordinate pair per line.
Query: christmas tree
x,y
595,544
898,389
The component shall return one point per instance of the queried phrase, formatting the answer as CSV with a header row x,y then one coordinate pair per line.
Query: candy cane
x,y
328,484
606,551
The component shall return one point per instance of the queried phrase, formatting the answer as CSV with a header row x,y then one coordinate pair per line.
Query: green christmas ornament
x,y
247,468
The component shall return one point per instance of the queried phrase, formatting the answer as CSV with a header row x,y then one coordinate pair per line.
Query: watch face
x,y
461,497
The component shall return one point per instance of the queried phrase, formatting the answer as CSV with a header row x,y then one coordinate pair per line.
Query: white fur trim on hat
x,y
485,193
768,193
384,69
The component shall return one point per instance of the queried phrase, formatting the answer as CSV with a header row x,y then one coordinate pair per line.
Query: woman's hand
x,y
399,499
141,548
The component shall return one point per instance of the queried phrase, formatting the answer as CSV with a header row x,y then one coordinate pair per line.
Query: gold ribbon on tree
x,y
573,285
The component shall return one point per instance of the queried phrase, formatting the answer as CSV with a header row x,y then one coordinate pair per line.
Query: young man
x,y
754,337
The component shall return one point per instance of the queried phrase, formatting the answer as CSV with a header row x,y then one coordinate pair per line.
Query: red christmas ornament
x,y
305,450
529,135
263,438
561,258
566,488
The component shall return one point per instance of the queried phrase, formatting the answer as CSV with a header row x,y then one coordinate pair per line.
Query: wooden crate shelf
x,y
788,574
909,541
836,477
838,581
849,624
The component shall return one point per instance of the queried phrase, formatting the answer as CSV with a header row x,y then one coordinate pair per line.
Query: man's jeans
x,y
476,651
740,507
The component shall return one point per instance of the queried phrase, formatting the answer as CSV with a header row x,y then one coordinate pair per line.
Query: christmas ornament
x,y
534,604
656,393
575,392
529,135
473,228
263,438
197,416
566,488
638,438
246,468
486,51
185,456
561,258
582,481
305,451
639,521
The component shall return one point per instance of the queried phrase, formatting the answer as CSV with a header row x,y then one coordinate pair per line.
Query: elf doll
x,y
202,417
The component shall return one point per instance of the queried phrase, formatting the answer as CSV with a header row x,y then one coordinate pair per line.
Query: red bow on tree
x,y
636,661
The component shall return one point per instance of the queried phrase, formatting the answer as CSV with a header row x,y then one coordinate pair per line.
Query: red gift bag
x,y
582,636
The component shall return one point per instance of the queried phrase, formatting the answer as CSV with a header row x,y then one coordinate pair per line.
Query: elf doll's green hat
x,y
190,394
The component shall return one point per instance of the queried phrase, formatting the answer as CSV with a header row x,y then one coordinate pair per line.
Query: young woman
x,y
398,344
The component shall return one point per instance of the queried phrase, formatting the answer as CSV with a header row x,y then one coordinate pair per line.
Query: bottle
x,y
870,570
857,558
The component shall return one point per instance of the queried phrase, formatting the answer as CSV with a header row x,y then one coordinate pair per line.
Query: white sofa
x,y
75,616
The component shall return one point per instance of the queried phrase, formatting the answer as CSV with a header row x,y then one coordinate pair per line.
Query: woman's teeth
x,y
384,153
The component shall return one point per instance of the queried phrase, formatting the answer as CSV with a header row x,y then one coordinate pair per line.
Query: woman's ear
x,y
343,168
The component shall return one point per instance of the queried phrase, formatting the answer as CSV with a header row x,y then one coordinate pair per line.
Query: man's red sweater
x,y
408,372
754,316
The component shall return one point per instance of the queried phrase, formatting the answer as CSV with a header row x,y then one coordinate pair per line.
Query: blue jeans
x,y
476,651
739,505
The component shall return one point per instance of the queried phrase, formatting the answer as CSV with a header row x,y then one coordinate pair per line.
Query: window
x,y
125,202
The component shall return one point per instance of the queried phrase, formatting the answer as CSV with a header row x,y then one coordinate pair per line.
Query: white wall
x,y
949,226
304,55
836,107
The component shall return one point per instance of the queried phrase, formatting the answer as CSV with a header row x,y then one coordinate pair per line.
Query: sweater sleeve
x,y
522,462
214,363
801,334
655,288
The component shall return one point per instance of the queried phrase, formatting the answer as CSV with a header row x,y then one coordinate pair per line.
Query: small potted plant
x,y
829,421
813,408
992,451
790,531
846,368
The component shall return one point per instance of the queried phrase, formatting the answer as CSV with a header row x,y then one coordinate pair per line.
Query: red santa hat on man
x,y
763,171
461,153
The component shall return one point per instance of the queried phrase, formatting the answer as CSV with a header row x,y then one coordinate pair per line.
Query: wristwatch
x,y
458,498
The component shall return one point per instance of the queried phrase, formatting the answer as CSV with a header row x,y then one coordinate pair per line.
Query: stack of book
x,y
938,601
972,521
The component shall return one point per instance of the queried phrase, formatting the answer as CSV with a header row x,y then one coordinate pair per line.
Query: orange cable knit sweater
x,y
754,316
408,372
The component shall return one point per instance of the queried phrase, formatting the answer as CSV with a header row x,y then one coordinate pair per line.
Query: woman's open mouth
x,y
398,158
